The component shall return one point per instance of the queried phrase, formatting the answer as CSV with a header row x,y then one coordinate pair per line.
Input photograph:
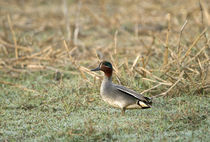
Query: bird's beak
x,y
96,69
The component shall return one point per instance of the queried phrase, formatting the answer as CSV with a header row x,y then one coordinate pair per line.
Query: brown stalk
x,y
135,62
189,77
73,61
151,88
152,75
77,24
67,21
193,44
115,42
166,92
4,50
204,11
80,68
201,68
13,46
165,60
180,35
114,64
69,53
194,57
97,56
126,63
154,81
93,74
144,66
13,36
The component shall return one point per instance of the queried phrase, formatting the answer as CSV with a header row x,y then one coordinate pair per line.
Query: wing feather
x,y
133,94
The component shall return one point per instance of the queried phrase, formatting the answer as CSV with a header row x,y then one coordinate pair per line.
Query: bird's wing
x,y
133,93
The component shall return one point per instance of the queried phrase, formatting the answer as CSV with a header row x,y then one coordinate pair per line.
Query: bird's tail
x,y
149,100
145,104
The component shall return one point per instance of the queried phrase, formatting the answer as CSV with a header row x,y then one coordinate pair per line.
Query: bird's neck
x,y
108,74
108,78
106,83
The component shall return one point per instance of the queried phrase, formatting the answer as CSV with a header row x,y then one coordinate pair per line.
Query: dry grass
x,y
168,48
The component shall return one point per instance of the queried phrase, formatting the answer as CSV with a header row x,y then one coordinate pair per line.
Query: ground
x,y
73,111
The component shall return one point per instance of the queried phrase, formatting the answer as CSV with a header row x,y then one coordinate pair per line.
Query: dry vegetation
x,y
167,44
163,44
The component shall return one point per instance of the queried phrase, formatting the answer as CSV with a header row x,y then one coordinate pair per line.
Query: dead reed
x,y
181,68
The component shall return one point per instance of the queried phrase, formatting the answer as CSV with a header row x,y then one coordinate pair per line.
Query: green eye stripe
x,y
108,64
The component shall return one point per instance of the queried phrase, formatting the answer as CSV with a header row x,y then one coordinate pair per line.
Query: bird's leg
x,y
123,111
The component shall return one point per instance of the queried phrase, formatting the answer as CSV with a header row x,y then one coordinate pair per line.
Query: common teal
x,y
118,95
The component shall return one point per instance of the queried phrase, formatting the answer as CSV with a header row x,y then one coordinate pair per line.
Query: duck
x,y
117,95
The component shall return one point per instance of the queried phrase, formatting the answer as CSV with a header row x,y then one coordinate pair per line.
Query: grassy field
x,y
67,111
158,48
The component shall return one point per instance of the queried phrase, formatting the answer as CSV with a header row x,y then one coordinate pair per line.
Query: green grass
x,y
72,110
